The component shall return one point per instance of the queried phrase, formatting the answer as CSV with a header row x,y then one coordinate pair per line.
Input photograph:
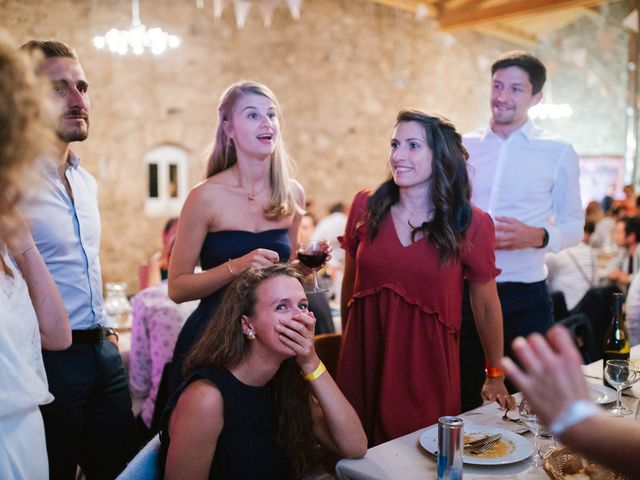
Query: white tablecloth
x,y
404,458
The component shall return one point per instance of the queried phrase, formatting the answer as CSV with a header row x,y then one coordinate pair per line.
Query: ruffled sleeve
x,y
479,259
355,228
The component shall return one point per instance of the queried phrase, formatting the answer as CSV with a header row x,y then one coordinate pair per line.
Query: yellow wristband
x,y
310,377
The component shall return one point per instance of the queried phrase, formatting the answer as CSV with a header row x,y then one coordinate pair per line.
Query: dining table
x,y
405,458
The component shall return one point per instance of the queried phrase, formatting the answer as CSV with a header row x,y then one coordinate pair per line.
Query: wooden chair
x,y
328,349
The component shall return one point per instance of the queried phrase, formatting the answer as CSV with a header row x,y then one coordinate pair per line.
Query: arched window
x,y
167,174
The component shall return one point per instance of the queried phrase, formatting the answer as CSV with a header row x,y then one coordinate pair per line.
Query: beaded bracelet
x,y
310,377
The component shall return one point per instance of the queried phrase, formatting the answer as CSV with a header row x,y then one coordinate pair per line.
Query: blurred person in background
x,y
624,266
32,316
307,227
156,269
157,321
603,234
574,270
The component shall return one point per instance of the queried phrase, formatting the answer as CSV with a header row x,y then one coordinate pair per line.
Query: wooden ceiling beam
x,y
506,32
468,17
406,5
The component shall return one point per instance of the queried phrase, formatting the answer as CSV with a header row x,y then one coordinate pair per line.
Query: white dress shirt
x,y
572,271
632,311
531,176
67,234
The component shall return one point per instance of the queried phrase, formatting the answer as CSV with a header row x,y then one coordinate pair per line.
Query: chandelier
x,y
552,111
546,109
137,38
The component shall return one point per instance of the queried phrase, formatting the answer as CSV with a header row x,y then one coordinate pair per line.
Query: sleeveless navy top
x,y
217,248
246,448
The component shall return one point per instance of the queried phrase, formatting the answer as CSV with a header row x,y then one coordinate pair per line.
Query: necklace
x,y
252,196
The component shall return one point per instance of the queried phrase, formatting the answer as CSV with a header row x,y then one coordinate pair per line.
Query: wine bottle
x,y
616,341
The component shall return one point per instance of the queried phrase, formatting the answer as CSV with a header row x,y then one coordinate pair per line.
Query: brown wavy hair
x,y
450,190
282,202
27,133
223,345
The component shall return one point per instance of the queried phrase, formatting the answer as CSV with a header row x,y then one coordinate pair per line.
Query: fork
x,y
507,418
485,448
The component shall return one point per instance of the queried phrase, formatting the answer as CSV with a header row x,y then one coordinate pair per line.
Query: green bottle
x,y
616,341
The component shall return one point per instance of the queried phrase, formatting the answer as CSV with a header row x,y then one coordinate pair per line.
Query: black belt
x,y
88,337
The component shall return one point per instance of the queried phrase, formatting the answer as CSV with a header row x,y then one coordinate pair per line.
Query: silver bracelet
x,y
575,413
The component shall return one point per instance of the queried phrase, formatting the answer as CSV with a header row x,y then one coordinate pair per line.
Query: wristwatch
x,y
545,239
110,332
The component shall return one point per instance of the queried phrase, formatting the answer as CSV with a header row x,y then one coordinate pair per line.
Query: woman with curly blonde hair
x,y
32,315
245,214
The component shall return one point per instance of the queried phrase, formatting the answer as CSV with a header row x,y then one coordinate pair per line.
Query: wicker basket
x,y
561,462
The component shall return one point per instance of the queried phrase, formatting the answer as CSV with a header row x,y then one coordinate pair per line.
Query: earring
x,y
251,335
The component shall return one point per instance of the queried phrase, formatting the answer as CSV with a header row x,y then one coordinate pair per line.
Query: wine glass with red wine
x,y
314,255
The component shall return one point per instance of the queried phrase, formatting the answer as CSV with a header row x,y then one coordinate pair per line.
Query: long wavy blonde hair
x,y
282,202
27,128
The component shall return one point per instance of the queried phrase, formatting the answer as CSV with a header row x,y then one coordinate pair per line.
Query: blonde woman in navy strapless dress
x,y
245,214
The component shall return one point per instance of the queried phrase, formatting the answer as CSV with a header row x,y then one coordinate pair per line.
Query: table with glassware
x,y
408,457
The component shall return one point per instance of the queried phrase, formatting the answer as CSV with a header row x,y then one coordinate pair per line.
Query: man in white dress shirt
x,y
527,180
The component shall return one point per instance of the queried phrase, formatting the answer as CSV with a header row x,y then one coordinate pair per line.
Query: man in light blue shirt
x,y
528,181
90,422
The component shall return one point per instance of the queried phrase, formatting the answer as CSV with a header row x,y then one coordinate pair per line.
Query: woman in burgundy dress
x,y
410,245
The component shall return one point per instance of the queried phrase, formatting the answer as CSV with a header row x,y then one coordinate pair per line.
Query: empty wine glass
x,y
314,255
530,420
619,375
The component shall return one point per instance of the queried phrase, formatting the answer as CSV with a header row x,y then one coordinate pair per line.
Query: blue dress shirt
x,y
67,234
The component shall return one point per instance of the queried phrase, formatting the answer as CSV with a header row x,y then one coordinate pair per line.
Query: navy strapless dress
x,y
217,248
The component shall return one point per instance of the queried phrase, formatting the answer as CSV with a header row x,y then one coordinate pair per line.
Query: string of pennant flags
x,y
242,8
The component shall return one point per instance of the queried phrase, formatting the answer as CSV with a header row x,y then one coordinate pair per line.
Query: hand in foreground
x,y
494,390
550,376
512,234
297,334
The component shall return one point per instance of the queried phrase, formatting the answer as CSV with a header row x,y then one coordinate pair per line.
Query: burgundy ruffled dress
x,y
399,363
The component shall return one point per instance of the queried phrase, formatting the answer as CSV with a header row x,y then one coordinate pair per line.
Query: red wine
x,y
312,260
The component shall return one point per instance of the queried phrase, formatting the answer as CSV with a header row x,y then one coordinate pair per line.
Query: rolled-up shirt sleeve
x,y
567,205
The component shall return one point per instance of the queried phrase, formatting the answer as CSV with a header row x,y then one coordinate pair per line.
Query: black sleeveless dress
x,y
217,248
246,448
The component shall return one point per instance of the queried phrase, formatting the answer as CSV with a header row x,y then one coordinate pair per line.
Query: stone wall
x,y
341,73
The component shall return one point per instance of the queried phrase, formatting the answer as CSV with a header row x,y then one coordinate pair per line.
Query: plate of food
x,y
511,447
601,394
